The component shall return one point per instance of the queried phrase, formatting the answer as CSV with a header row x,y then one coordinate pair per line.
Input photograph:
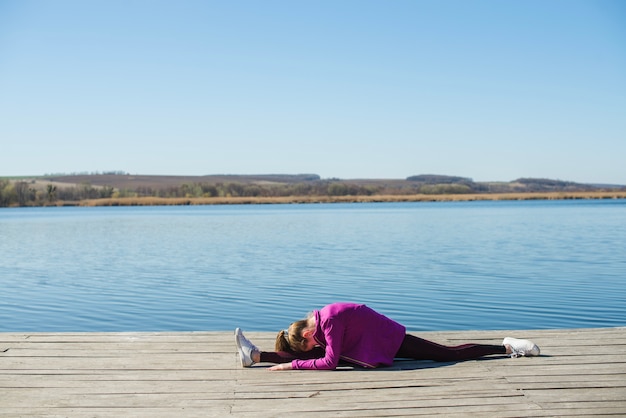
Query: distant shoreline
x,y
173,201
141,190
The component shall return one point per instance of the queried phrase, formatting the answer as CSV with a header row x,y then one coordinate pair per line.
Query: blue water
x,y
431,266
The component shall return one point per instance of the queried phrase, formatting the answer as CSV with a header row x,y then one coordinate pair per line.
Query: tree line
x,y
37,193
22,193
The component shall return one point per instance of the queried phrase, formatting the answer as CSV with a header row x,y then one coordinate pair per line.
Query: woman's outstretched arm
x,y
283,359
282,366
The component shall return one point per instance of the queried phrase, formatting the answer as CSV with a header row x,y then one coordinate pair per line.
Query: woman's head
x,y
298,338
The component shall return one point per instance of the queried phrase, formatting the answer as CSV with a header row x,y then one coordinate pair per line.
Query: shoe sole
x,y
239,349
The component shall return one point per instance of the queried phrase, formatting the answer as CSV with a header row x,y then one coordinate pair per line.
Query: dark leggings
x,y
412,347
286,356
420,349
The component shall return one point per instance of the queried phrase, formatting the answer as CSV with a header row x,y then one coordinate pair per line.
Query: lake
x,y
430,266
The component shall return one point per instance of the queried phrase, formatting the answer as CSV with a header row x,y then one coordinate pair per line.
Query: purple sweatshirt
x,y
356,334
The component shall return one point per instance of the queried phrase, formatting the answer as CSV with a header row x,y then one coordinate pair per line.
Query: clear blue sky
x,y
492,90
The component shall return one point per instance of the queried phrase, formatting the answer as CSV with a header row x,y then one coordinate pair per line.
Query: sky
x,y
492,90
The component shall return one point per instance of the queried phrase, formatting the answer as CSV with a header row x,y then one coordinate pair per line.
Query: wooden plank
x,y
581,372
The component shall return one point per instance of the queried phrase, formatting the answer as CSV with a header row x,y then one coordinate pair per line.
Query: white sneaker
x,y
245,348
521,347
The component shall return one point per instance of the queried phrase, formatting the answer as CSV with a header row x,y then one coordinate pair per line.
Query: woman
x,y
359,335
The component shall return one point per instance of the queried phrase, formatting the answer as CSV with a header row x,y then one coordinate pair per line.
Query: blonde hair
x,y
292,339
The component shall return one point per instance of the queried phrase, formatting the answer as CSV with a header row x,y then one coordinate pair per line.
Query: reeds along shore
x,y
156,201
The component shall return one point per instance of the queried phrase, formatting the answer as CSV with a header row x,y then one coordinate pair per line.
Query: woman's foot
x,y
518,348
248,352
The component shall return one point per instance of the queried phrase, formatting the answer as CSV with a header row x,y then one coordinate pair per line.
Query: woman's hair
x,y
292,340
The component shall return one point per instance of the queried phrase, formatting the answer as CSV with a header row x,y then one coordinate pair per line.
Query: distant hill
x,y
128,181
72,189
423,183
542,185
438,179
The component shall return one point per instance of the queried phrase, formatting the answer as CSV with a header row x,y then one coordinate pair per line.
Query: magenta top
x,y
356,334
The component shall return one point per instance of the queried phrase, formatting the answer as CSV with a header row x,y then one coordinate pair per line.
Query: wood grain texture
x,y
581,372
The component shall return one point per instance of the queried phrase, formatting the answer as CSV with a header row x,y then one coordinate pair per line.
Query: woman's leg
x,y
279,357
421,349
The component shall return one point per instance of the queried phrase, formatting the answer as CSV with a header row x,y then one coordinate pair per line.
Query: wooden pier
x,y
581,372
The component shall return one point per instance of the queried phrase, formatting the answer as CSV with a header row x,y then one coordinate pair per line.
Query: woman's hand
x,y
282,366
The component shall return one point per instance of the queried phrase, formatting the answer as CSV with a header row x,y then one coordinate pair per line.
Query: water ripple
x,y
464,265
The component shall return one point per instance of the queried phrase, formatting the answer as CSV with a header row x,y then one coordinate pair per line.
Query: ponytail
x,y
292,340
282,342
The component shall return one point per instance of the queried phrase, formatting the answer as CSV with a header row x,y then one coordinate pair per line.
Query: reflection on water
x,y
431,266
